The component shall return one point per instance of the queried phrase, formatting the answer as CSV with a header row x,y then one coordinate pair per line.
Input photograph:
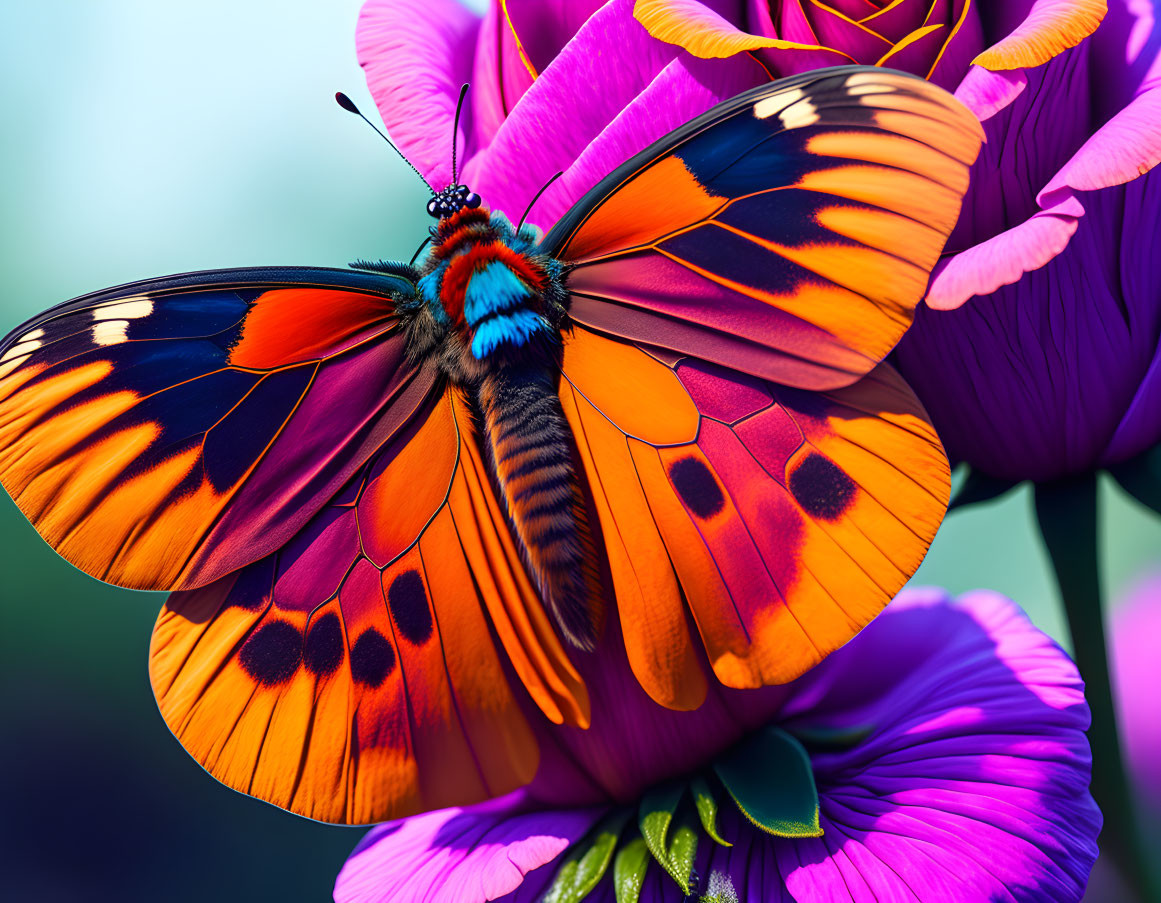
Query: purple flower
x,y
946,741
1136,678
1054,367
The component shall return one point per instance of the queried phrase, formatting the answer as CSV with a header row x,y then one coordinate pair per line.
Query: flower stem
x,y
1067,513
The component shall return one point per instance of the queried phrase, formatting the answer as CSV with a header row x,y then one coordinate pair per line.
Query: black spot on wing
x,y
697,487
251,590
409,607
821,488
273,654
372,658
324,646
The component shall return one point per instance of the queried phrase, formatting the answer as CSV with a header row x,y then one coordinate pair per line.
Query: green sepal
x,y
769,776
707,808
683,849
979,487
1141,477
832,739
629,870
654,818
587,861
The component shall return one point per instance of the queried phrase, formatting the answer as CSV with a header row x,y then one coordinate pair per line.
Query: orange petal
x,y
701,31
1052,26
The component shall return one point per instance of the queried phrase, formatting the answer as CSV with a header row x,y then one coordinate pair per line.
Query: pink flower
x,y
947,747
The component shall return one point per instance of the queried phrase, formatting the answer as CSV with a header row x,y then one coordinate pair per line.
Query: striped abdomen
x,y
529,442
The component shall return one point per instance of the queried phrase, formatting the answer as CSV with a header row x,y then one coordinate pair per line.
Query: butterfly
x,y
396,504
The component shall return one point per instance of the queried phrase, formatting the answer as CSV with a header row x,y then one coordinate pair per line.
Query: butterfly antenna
x,y
422,245
456,132
532,203
349,105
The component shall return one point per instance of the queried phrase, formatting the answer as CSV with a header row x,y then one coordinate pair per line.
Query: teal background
x,y
145,138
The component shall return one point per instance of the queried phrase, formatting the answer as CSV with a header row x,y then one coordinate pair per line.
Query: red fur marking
x,y
454,285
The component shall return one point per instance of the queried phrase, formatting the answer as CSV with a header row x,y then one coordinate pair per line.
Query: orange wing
x,y
782,520
163,434
353,676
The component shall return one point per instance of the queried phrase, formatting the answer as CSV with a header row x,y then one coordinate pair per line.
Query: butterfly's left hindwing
x,y
354,675
165,433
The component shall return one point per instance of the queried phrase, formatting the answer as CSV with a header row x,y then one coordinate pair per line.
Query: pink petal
x,y
416,54
1004,258
985,93
1126,146
608,63
684,89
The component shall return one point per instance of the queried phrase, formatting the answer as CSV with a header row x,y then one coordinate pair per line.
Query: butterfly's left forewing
x,y
787,233
165,433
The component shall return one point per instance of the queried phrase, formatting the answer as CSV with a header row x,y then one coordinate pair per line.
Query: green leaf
x,y
587,861
654,818
979,487
769,776
707,808
1141,477
629,870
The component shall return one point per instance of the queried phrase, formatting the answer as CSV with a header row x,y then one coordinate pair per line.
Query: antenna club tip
x,y
346,103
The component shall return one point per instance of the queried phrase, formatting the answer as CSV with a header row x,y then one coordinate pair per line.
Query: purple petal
x,y
1056,374
416,54
974,781
459,855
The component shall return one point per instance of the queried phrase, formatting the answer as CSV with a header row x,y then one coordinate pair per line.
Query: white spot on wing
x,y
792,107
9,366
21,350
32,336
129,309
110,332
764,109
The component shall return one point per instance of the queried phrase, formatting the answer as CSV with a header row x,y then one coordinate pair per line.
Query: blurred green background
x,y
146,138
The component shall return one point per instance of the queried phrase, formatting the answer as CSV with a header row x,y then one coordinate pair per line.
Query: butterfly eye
x,y
433,208
472,200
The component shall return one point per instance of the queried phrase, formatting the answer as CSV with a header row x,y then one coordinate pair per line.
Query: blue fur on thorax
x,y
429,290
513,328
492,289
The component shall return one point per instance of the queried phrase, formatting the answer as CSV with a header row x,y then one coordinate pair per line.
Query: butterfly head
x,y
452,200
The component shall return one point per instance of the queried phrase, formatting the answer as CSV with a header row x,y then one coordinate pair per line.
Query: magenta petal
x,y
608,63
416,54
458,855
684,89
545,26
